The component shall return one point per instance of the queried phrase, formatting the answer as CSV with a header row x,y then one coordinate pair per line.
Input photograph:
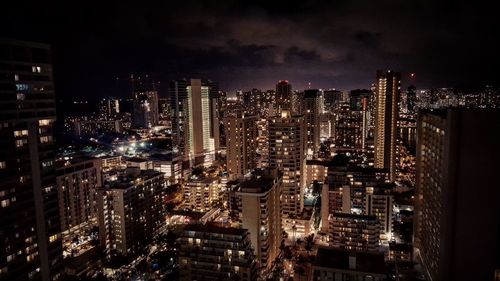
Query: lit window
x,y
16,77
3,165
21,142
44,122
46,139
5,203
20,133
46,164
53,238
20,96
36,69
22,87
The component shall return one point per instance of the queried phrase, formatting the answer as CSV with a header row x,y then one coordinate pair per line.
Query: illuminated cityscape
x,y
296,140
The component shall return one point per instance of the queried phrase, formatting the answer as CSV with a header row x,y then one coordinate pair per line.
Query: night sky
x,y
332,44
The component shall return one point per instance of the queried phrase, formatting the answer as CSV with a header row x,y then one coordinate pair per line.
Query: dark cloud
x,y
246,44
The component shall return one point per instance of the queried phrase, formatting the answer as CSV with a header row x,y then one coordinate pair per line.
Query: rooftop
x,y
367,262
210,228
354,216
132,177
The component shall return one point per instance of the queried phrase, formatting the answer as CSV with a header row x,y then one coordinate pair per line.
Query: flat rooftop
x,y
131,179
210,228
366,262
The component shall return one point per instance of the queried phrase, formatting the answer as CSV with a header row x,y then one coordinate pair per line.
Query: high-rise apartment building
x,y
332,99
145,109
77,182
411,99
198,140
287,154
379,204
261,215
202,193
202,99
109,108
30,242
337,264
177,91
130,211
457,215
141,112
209,252
283,96
241,144
313,108
386,116
354,232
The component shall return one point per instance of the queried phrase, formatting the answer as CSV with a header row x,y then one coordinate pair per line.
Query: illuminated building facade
x,y
313,108
241,144
386,115
209,252
202,193
287,154
354,232
261,215
130,211
77,181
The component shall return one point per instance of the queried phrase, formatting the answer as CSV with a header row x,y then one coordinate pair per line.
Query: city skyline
x,y
327,43
263,141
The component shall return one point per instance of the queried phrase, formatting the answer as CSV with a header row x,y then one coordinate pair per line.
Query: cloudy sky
x,y
332,44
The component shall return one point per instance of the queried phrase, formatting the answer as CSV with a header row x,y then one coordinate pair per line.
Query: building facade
x,y
354,232
215,253
261,215
386,116
241,144
287,154
30,242
313,108
456,233
77,183
130,211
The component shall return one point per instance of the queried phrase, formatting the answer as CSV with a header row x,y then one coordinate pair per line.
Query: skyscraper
x,y
386,115
332,99
30,243
411,98
109,108
457,215
141,112
261,215
145,111
283,95
287,154
205,109
241,144
130,211
199,141
313,107
177,91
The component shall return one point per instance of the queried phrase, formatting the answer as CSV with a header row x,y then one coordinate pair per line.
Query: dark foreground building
x,y
30,242
457,226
